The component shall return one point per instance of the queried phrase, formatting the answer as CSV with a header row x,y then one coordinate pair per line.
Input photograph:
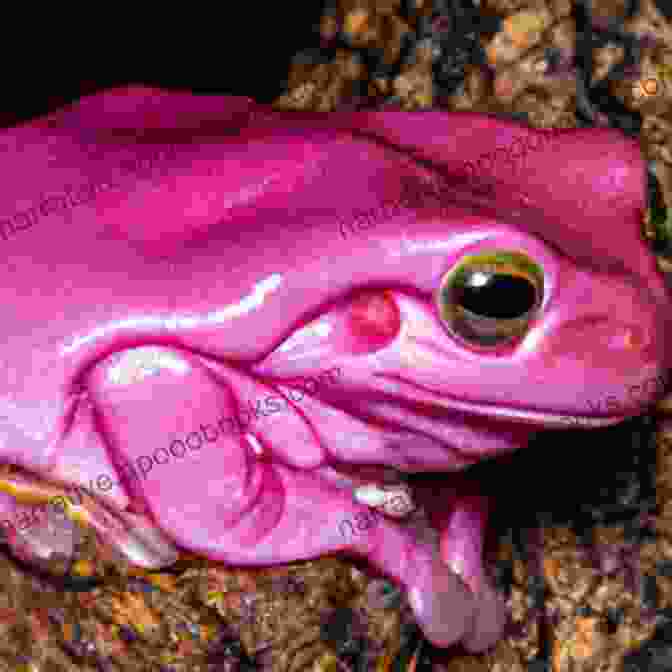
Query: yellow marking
x,y
356,21
24,493
27,493
78,514
521,27
213,596
665,69
163,581
208,632
83,568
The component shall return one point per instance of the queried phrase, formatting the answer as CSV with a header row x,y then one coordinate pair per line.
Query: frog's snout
x,y
618,345
604,341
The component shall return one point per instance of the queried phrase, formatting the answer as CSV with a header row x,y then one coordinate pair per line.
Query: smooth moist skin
x,y
213,334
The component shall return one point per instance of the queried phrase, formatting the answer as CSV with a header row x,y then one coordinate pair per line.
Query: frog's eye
x,y
489,298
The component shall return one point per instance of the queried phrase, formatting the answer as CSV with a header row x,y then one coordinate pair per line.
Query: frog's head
x,y
539,308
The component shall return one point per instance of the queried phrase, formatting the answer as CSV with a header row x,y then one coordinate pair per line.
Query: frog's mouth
x,y
488,412
537,419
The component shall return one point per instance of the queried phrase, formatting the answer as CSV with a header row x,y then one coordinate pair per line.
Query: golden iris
x,y
489,298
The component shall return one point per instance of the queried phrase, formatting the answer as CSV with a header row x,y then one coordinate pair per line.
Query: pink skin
x,y
232,250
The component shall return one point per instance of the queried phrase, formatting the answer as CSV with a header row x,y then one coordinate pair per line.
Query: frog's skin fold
x,y
219,261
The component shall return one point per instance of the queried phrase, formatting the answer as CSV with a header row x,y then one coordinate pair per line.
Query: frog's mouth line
x,y
493,411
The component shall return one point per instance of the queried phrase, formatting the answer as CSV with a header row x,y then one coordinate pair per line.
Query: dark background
x,y
243,48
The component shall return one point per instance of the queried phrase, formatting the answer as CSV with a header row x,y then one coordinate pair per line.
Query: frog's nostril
x,y
630,337
605,341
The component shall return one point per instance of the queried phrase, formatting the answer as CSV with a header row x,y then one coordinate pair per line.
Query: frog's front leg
x,y
245,499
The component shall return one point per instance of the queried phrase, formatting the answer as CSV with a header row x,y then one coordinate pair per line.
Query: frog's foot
x,y
34,534
40,520
451,519
455,508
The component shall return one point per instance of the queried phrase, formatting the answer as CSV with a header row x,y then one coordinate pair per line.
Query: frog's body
x,y
179,296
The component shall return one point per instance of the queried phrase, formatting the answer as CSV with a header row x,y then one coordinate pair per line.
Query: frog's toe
x,y
39,522
449,612
442,604
35,533
489,620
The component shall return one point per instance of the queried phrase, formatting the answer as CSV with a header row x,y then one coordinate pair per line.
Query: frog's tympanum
x,y
224,319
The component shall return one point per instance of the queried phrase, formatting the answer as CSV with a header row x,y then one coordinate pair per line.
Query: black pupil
x,y
500,296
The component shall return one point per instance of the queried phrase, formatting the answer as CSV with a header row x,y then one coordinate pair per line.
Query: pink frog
x,y
238,320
